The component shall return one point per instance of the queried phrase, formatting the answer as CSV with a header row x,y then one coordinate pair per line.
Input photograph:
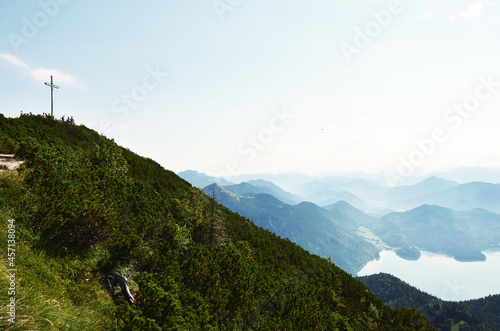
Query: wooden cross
x,y
52,86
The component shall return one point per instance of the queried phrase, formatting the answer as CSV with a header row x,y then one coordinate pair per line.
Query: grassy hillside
x,y
81,206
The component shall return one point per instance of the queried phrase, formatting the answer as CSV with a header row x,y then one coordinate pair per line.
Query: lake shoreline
x,y
442,275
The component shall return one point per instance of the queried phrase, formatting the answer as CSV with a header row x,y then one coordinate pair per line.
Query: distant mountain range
x,y
462,234
361,188
460,175
353,219
461,197
376,199
470,174
430,185
370,195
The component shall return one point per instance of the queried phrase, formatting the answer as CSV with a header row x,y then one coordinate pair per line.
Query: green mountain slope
x,y
486,308
324,232
479,314
82,207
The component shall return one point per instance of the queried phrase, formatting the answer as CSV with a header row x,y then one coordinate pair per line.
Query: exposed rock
x,y
9,162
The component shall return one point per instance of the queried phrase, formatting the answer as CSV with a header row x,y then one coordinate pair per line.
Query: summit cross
x,y
52,87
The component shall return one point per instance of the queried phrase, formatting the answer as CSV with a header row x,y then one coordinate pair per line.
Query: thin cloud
x,y
41,74
427,14
474,11
14,61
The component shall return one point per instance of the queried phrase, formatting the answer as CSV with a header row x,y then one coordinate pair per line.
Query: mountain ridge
x,y
322,232
444,315
462,234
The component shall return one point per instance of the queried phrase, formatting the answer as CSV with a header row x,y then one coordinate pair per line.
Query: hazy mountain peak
x,y
470,174
429,208
219,190
261,182
435,180
263,187
200,180
343,204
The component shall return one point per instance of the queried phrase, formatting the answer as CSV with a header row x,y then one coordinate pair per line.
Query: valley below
x,y
369,228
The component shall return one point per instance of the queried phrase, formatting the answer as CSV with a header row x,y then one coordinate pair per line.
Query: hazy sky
x,y
246,86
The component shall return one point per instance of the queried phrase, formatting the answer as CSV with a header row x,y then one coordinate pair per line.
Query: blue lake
x,y
441,275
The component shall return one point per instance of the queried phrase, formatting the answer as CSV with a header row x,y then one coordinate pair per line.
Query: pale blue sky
x,y
233,65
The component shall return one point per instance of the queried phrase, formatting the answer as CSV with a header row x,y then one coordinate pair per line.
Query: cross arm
x,y
52,85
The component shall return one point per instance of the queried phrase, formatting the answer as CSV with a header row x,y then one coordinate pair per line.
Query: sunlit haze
x,y
233,87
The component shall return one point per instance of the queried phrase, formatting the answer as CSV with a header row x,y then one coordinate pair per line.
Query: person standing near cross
x,y
52,87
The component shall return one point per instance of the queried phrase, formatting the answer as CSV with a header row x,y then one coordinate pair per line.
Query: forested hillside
x,y
481,314
83,207
331,231
487,308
